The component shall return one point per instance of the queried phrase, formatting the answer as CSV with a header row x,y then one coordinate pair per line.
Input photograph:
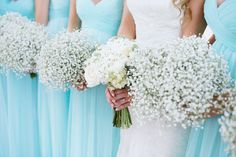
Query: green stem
x,y
122,119
33,75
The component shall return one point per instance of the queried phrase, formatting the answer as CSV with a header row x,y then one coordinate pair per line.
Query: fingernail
x,y
112,93
116,109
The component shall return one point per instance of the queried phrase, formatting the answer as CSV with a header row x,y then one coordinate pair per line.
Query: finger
x,y
123,106
121,96
109,98
122,101
112,93
119,91
111,104
81,87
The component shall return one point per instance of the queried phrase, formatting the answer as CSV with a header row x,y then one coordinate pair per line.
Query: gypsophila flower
x,y
61,61
228,122
20,42
177,81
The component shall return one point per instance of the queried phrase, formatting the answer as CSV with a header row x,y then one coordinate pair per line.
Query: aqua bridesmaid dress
x,y
208,142
91,133
53,105
3,103
22,100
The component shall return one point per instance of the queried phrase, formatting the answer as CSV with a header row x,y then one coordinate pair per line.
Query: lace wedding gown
x,y
157,21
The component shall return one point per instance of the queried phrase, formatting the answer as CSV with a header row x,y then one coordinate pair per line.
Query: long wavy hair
x,y
183,6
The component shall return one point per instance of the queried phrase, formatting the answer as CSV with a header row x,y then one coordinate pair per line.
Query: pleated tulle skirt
x,y
3,117
91,133
53,119
3,106
207,142
44,121
53,107
22,117
58,116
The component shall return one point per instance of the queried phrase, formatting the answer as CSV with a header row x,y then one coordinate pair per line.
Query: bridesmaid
x,y
53,105
22,100
220,16
91,133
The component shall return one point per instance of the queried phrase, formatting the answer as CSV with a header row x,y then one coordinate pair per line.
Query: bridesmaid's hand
x,y
82,87
216,111
119,98
213,113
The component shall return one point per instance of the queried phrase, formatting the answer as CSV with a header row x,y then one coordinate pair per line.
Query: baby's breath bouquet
x,y
228,122
61,60
177,81
20,42
108,66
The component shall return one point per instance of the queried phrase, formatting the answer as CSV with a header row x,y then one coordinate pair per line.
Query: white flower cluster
x,y
228,123
20,41
177,81
108,63
61,61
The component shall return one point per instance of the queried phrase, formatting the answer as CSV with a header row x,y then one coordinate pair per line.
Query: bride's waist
x,y
155,38
157,123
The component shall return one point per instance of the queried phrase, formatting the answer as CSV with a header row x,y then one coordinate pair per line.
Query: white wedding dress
x,y
157,21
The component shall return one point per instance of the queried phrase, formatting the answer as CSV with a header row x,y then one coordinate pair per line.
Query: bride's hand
x,y
119,98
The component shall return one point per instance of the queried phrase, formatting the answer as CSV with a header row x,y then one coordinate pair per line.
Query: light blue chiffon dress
x,y
3,103
91,133
222,20
23,139
53,105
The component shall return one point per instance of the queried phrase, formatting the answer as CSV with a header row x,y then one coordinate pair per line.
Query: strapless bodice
x,y
156,21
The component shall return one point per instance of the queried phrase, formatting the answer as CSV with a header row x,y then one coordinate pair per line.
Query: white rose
x,y
91,75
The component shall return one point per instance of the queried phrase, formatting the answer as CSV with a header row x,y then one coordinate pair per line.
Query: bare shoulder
x,y
196,6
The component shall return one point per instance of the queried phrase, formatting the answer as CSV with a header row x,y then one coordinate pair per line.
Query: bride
x,y
152,22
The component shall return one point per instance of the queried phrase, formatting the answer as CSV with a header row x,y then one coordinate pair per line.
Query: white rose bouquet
x,y
20,42
62,59
177,81
108,66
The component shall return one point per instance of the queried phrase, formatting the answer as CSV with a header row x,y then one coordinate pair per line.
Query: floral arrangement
x,y
228,122
20,42
62,59
108,66
177,81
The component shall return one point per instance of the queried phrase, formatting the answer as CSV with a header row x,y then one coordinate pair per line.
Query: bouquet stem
x,y
122,119
33,75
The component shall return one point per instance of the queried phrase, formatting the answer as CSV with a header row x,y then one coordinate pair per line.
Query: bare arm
x,y
212,39
127,26
74,22
195,22
41,11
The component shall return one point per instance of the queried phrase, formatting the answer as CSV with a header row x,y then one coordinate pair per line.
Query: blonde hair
x,y
183,6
